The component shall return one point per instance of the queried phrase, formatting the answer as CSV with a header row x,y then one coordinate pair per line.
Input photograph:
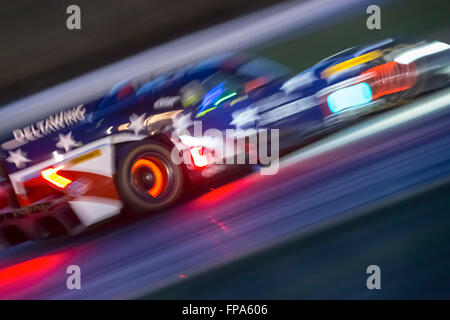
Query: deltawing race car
x,y
145,142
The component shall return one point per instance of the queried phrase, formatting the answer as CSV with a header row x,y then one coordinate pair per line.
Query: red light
x,y
54,178
199,158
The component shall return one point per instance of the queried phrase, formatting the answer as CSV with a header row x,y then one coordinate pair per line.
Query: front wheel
x,y
147,178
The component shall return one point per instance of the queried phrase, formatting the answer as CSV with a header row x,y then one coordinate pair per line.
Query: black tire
x,y
141,167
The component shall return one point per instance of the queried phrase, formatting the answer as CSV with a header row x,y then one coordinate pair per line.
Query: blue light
x,y
353,96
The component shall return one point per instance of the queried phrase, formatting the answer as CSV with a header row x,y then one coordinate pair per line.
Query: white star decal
x,y
137,123
18,157
182,122
66,142
244,118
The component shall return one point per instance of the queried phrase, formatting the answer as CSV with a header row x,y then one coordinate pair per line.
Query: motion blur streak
x,y
220,195
396,117
200,159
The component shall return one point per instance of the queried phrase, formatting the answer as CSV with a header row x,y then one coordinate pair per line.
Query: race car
x,y
139,147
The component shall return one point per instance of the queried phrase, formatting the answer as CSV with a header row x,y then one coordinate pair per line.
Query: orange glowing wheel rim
x,y
149,176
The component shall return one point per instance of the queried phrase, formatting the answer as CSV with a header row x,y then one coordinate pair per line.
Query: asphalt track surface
x,y
387,155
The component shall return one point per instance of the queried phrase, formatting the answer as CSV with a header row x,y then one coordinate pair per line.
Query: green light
x,y
225,98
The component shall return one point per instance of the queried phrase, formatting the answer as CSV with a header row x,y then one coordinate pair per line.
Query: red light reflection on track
x,y
28,274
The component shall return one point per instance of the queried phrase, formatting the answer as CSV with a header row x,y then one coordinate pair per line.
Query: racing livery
x,y
85,164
